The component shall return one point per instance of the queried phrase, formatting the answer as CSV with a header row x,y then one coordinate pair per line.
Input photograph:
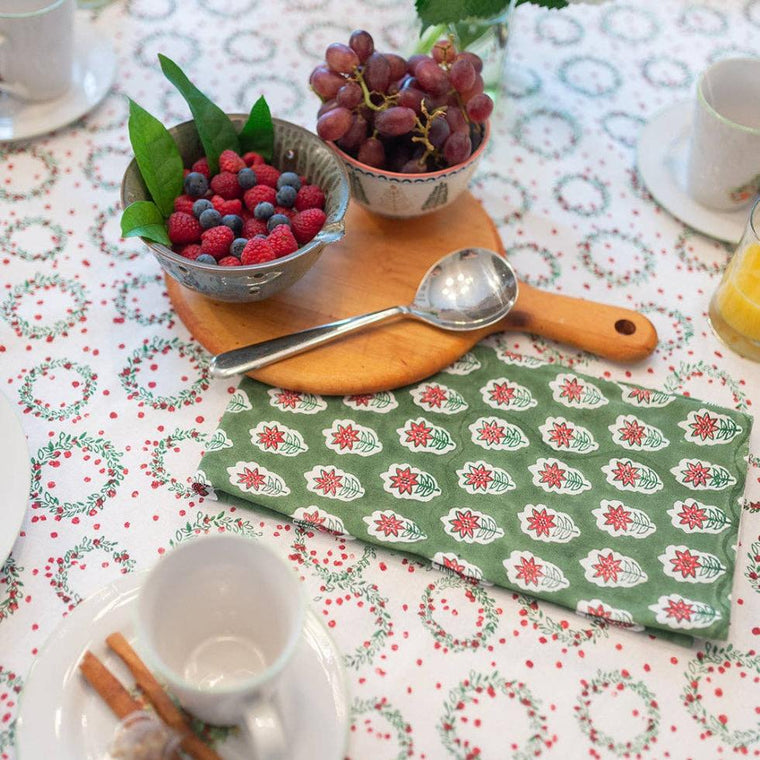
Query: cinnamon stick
x,y
160,700
108,686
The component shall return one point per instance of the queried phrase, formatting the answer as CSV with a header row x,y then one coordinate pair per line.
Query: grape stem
x,y
424,130
388,100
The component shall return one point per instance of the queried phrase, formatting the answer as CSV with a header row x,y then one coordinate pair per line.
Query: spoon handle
x,y
258,355
608,331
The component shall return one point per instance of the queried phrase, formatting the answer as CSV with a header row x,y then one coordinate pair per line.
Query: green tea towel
x,y
613,500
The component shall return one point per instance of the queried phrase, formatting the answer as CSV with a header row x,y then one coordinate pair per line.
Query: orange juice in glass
x,y
735,307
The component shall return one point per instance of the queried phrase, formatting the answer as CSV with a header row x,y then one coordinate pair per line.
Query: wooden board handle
x,y
608,331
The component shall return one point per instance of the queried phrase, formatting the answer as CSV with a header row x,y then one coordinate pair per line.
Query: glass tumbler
x,y
735,307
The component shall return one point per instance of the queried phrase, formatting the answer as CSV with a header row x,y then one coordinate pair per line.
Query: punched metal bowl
x,y
295,149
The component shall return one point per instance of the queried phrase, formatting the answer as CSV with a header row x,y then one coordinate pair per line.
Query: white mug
x,y
36,47
724,157
219,618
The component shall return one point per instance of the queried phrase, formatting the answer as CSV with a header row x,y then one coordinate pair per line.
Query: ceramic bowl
x,y
399,195
295,149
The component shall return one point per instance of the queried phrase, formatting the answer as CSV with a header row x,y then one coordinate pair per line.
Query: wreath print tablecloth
x,y
617,501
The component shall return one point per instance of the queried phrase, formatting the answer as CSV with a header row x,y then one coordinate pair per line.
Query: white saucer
x,y
93,74
61,717
15,475
662,151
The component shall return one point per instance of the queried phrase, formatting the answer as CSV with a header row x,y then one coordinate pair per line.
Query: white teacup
x,y
36,47
724,158
219,618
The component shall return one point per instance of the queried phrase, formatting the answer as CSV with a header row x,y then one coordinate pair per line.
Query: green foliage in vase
x,y
433,12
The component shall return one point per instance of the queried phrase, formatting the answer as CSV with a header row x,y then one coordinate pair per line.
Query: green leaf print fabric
x,y
613,500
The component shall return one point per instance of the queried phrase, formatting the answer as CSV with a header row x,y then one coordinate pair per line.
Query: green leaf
x,y
258,132
144,219
157,156
432,12
214,127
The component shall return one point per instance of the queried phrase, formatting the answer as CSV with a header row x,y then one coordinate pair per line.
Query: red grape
x,y
411,97
350,95
457,148
413,60
334,124
362,44
432,78
397,64
438,132
456,120
372,153
377,72
395,121
328,105
476,89
479,108
475,60
326,83
444,51
355,135
462,75
341,58
413,166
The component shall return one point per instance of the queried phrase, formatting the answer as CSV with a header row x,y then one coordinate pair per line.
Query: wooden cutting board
x,y
378,263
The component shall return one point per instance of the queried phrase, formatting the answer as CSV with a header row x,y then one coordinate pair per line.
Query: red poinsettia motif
x,y
452,564
361,399
632,432
553,475
501,394
491,432
288,399
704,426
679,610
434,396
328,482
561,434
418,434
696,474
626,473
640,394
479,477
692,515
572,390
607,568
251,478
389,525
313,518
618,517
686,563
600,611
271,437
465,523
541,522
345,436
529,570
404,480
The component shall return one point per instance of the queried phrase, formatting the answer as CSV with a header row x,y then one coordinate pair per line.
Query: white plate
x,y
15,475
61,717
94,70
663,150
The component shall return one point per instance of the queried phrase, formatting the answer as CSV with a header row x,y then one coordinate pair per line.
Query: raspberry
x,y
226,185
229,261
216,241
224,207
229,161
253,227
191,251
259,194
306,224
201,165
282,241
184,203
284,211
183,228
252,158
309,196
257,251
267,175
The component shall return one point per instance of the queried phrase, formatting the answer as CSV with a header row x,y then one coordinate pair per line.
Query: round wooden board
x,y
378,264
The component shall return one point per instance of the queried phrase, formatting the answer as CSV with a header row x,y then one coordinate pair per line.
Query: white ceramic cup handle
x,y
263,728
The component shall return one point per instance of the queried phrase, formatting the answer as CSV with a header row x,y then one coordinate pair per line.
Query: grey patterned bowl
x,y
255,282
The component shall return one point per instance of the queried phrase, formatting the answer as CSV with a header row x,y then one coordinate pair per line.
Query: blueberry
x,y
210,218
289,178
286,196
234,222
276,219
206,258
238,244
263,210
201,205
196,184
246,178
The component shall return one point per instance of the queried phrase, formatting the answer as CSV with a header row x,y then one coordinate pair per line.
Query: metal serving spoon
x,y
470,289
467,289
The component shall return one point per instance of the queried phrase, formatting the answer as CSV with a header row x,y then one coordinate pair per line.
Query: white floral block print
x,y
496,434
618,519
610,569
450,561
218,441
645,397
691,516
543,523
562,435
634,434
554,476
691,566
706,427
479,477
390,526
333,483
314,517
465,365
295,401
436,397
576,392
596,609
239,402
627,475
276,438
349,437
471,526
252,477
702,476
676,611
531,573
422,435
407,482
380,403
502,393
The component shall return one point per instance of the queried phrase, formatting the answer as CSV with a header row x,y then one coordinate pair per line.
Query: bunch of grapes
x,y
415,115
